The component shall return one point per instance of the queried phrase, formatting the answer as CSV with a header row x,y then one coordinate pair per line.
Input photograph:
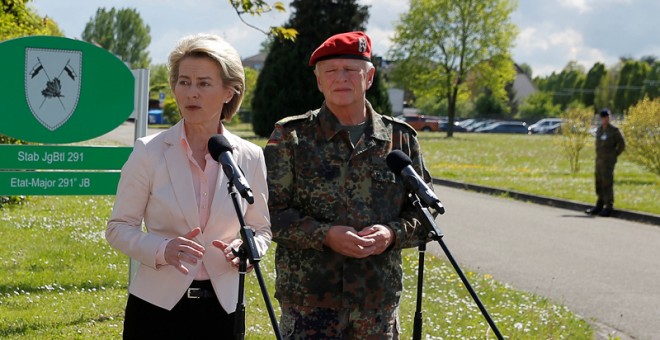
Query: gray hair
x,y
217,49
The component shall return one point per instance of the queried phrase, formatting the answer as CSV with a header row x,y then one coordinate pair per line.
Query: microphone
x,y
221,151
401,165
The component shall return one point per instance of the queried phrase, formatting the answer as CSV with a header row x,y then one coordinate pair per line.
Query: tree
x,y
121,32
538,105
642,131
571,80
631,80
593,79
19,20
159,79
259,7
566,87
491,106
649,59
251,76
287,85
576,123
527,69
377,94
652,83
604,95
438,43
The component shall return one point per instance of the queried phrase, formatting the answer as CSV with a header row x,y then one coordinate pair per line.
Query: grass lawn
x,y
59,279
534,164
530,164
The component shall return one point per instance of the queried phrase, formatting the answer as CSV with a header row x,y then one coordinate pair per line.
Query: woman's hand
x,y
184,249
227,249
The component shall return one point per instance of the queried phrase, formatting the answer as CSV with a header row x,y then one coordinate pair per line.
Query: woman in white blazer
x,y
187,283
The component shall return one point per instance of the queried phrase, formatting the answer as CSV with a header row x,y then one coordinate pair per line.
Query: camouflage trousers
x,y
303,322
605,183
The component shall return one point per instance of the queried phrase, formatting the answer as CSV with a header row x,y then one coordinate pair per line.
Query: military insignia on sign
x,y
362,45
52,84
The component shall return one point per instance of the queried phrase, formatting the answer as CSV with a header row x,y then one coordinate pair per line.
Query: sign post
x,y
61,91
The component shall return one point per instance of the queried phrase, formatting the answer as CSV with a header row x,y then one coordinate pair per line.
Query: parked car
x,y
466,122
552,129
479,124
421,122
543,124
504,127
457,127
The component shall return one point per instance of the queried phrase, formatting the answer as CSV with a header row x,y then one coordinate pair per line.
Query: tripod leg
x,y
269,306
417,325
239,316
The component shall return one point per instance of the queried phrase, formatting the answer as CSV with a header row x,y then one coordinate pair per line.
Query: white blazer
x,y
156,186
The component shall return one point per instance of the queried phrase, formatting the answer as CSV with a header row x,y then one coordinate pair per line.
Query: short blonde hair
x,y
217,49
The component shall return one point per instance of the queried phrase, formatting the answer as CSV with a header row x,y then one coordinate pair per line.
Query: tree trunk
x,y
451,114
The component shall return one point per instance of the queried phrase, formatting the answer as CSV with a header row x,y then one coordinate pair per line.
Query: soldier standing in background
x,y
609,145
340,217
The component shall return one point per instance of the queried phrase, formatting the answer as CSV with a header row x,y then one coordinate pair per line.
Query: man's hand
x,y
382,235
346,241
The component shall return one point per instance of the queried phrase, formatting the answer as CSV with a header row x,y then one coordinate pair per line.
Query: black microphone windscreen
x,y
397,160
217,145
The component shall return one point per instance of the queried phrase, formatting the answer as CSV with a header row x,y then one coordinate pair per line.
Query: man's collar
x,y
330,126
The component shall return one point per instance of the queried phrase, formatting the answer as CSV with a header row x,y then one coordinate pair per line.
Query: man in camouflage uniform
x,y
339,216
609,145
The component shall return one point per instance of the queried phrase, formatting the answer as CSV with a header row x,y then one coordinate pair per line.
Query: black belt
x,y
200,290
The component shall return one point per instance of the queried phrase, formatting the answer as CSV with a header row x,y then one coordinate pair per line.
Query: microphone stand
x,y
434,233
417,325
248,251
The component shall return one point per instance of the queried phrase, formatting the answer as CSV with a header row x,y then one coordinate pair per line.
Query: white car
x,y
543,125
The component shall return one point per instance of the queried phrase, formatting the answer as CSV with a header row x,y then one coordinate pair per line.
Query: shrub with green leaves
x,y
575,134
641,130
11,199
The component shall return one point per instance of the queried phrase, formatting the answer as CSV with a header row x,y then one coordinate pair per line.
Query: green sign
x,y
33,157
59,90
58,183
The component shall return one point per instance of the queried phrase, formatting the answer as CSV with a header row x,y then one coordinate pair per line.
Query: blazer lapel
x,y
181,177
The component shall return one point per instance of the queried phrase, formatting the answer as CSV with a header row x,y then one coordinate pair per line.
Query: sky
x,y
551,33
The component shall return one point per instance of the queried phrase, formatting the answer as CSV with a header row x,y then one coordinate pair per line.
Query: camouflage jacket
x,y
609,144
316,180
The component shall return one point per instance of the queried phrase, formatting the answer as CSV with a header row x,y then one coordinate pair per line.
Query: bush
x,y
641,129
575,134
15,200
4,200
538,105
171,111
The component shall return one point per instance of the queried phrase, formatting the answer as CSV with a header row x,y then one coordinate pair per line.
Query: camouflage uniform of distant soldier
x,y
609,145
323,176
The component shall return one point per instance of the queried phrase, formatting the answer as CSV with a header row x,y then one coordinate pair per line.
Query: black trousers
x,y
191,318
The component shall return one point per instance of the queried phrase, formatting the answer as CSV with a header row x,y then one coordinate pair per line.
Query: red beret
x,y
350,45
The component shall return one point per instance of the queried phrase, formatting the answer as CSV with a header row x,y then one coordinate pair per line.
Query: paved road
x,y
603,269
124,134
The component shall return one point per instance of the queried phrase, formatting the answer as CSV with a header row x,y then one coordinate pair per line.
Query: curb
x,y
628,215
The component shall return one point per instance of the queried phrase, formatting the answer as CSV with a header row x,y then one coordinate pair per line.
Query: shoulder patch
x,y
290,119
401,123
